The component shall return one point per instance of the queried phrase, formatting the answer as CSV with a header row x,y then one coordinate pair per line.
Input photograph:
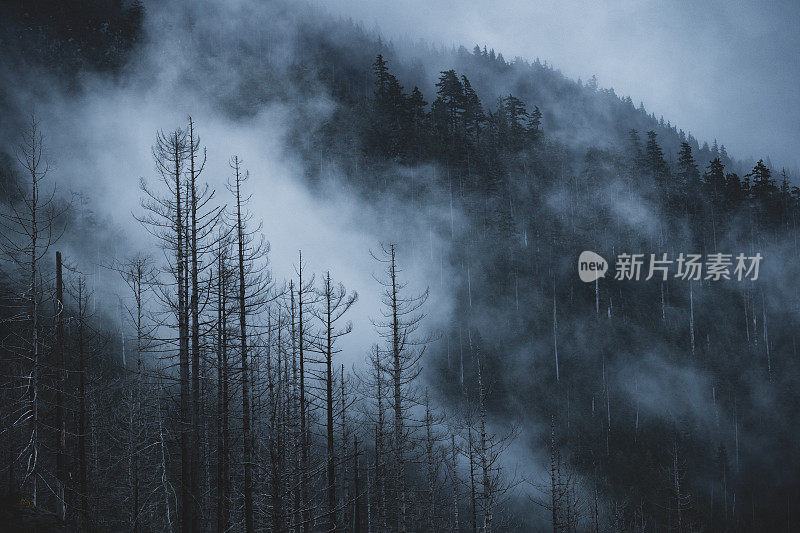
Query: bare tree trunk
x,y
431,513
329,412
293,405
399,457
246,455
33,383
61,445
380,478
555,330
177,147
343,460
194,308
484,453
83,482
472,494
356,489
276,429
454,480
554,487
222,400
304,442
138,281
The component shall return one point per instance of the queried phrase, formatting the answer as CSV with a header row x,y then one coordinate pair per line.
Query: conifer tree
x,y
654,161
450,97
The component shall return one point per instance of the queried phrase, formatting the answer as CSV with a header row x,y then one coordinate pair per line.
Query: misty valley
x,y
263,269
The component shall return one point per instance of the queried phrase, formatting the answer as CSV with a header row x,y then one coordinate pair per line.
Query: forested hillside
x,y
185,385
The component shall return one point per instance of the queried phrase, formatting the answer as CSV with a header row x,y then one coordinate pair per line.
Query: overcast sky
x,y
720,69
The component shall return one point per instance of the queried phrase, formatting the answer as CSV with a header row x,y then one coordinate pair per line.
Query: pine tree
x,y
688,186
687,167
392,111
382,75
535,120
473,115
714,177
635,154
654,160
450,97
763,185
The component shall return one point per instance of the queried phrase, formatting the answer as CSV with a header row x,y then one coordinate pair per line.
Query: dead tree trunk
x,y
335,302
83,482
472,493
454,481
194,308
304,438
61,427
246,452
222,394
356,489
329,414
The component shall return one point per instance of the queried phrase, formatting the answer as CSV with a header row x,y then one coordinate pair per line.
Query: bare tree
x,y
140,276
374,387
82,298
61,424
202,235
401,318
304,292
165,218
431,439
253,281
560,491
223,291
29,228
335,303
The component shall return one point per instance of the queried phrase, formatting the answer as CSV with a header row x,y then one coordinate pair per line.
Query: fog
x,y
98,147
696,65
720,70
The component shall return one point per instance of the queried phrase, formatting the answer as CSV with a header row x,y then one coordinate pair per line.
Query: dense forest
x,y
158,374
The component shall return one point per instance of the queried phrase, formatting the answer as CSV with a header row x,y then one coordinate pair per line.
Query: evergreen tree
x,y
416,108
735,190
654,160
763,186
687,168
635,153
723,154
688,180
472,109
450,96
535,120
391,111
381,71
714,176
515,118
714,180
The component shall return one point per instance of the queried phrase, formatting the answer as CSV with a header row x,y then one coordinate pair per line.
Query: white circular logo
x,y
591,266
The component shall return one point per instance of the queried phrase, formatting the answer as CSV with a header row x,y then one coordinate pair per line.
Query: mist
x,y
720,70
621,387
